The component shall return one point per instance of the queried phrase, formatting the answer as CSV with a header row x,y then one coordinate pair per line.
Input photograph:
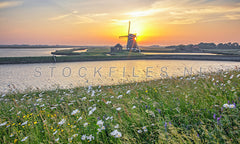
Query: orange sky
x,y
94,22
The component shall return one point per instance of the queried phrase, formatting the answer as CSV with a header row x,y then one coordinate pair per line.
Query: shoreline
x,y
60,59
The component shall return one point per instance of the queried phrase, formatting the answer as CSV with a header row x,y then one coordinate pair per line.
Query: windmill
x,y
131,42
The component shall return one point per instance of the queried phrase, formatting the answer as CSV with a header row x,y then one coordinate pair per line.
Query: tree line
x,y
202,45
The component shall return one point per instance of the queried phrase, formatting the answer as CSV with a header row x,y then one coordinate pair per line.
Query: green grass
x,y
176,110
223,51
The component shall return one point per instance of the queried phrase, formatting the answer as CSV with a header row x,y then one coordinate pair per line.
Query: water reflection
x,y
65,75
28,52
148,53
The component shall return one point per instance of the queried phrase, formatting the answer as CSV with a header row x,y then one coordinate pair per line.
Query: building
x,y
116,48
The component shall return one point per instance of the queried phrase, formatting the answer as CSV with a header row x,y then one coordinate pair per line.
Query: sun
x,y
138,29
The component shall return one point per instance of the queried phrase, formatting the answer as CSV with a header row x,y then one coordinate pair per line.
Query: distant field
x,y
156,49
223,51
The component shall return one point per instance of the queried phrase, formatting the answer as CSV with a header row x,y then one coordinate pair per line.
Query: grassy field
x,y
95,51
223,51
178,110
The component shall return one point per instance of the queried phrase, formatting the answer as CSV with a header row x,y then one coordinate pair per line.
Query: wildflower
x,y
231,106
79,119
19,112
75,135
118,109
89,89
84,98
133,107
90,138
101,128
139,131
35,122
111,118
39,100
83,137
159,111
108,102
3,124
128,92
55,132
24,123
238,75
56,140
93,93
100,123
112,97
62,122
226,105
116,134
214,116
70,104
15,141
144,129
120,96
53,108
85,124
75,112
70,139
218,119
150,112
231,77
11,109
92,110
25,138
116,126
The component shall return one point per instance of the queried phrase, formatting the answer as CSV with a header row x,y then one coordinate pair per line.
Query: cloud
x,y
83,19
189,11
98,14
119,22
76,18
60,17
233,16
147,12
8,4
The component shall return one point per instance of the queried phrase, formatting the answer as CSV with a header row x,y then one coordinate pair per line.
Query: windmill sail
x,y
131,42
129,27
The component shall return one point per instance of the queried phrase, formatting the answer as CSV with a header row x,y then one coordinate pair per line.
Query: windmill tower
x,y
131,42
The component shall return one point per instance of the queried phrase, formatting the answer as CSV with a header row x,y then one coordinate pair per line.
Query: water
x,y
71,74
149,53
28,52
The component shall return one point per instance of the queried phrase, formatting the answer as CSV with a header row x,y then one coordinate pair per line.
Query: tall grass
x,y
176,110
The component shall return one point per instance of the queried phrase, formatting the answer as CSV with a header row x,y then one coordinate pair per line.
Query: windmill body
x,y
131,42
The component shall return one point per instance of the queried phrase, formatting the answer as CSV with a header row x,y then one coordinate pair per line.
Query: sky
x,y
101,22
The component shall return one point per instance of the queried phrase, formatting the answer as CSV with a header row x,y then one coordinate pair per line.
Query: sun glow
x,y
138,29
